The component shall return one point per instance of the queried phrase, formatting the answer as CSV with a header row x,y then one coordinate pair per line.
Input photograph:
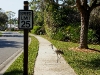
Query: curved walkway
x,y
46,62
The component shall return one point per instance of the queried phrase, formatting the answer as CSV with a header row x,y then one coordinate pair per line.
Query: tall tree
x,y
10,15
85,7
85,10
38,8
3,18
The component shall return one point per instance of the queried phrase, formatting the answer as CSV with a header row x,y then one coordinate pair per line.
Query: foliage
x,y
67,33
59,35
72,31
57,17
69,16
37,7
38,30
17,67
10,15
54,16
3,18
94,24
85,15
38,19
92,37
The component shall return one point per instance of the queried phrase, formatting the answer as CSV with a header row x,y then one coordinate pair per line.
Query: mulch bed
x,y
84,50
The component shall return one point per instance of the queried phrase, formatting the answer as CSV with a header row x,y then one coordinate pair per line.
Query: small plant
x,y
59,34
91,37
73,32
38,30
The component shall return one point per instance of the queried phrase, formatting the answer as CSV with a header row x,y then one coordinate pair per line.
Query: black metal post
x,y
25,62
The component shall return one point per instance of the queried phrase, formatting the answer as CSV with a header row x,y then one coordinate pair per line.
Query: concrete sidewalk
x,y
46,62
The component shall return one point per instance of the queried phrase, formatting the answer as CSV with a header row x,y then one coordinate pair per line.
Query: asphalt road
x,y
10,43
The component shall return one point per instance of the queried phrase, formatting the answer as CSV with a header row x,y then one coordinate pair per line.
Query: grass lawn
x,y
17,67
84,62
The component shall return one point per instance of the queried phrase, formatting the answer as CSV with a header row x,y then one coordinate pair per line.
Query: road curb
x,y
6,64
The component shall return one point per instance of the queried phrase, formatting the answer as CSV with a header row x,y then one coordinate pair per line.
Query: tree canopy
x,y
59,15
3,18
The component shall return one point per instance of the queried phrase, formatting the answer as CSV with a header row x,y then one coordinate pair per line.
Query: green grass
x,y
0,34
17,67
83,63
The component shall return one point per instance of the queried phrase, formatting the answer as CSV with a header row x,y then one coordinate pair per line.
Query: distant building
x,y
10,26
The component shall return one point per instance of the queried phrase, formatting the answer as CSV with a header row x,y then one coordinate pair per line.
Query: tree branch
x,y
94,5
85,5
94,2
63,4
79,6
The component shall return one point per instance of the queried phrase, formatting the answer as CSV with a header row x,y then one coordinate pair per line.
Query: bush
x,y
73,32
38,30
69,33
92,37
94,24
58,36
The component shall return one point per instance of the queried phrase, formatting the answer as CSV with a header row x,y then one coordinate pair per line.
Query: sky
x,y
12,5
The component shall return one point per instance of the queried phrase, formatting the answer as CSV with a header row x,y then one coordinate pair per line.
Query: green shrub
x,y
65,33
69,33
73,32
94,24
58,36
91,37
37,30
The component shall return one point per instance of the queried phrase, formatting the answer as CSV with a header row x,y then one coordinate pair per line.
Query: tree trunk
x,y
84,29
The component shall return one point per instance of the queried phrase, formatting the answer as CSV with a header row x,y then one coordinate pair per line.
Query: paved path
x,y
46,62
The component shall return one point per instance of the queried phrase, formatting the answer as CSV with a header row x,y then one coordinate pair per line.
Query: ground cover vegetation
x,y
83,61
17,67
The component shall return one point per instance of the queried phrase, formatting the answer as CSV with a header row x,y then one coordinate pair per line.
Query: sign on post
x,y
25,19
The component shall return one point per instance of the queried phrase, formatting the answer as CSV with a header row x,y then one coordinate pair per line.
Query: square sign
x,y
25,19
